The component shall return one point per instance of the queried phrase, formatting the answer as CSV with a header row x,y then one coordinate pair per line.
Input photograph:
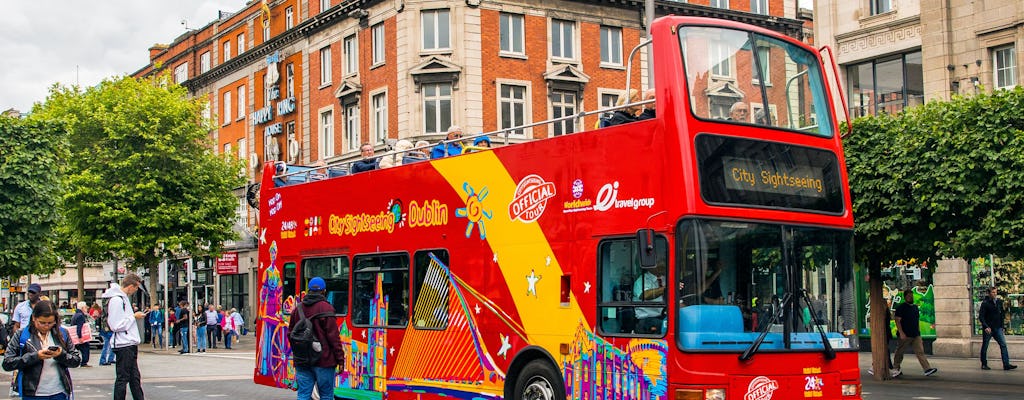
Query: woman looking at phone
x,y
42,354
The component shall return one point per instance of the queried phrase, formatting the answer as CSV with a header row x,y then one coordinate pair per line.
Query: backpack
x,y
22,339
306,349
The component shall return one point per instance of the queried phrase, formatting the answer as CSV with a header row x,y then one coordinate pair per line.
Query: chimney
x,y
155,50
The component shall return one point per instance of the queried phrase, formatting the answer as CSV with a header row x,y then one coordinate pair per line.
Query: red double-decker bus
x,y
701,254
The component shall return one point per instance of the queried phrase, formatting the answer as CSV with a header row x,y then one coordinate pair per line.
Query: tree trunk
x,y
80,263
154,281
879,341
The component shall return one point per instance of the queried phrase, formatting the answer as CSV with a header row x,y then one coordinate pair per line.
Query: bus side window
x,y
392,271
629,303
430,306
334,271
287,285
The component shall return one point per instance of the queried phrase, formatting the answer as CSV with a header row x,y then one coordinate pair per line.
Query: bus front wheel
x,y
539,381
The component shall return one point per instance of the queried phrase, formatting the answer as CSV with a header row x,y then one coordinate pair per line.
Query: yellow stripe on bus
x,y
522,250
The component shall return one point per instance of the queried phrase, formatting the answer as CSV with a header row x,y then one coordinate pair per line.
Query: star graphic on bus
x,y
586,287
505,346
532,279
263,236
474,210
477,308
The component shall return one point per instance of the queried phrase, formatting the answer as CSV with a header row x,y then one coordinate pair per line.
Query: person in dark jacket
x,y
991,315
321,314
625,115
650,111
78,322
35,357
453,147
369,162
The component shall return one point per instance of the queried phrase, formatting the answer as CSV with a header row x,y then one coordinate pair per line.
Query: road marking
x,y
95,395
216,395
926,398
165,386
188,390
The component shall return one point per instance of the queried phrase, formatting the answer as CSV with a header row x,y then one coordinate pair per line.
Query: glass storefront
x,y
885,85
1008,277
234,293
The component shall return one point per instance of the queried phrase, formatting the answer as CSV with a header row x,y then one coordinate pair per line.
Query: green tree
x,y
31,156
142,177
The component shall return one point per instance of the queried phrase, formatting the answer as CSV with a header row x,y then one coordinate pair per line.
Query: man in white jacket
x,y
121,321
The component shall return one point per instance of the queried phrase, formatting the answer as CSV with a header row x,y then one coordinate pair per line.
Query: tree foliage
x,y
31,156
142,173
945,179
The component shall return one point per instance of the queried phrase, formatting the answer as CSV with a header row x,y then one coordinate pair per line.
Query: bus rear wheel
x,y
538,381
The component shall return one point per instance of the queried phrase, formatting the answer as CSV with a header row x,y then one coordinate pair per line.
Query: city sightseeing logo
x,y
531,199
761,388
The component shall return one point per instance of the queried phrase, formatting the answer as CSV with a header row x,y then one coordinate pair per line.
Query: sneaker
x,y
985,367
871,371
930,371
1009,367
896,373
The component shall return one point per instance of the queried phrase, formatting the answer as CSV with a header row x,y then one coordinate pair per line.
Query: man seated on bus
x,y
650,110
712,292
452,148
739,112
369,162
650,288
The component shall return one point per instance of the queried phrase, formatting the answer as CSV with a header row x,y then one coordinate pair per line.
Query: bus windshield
x,y
734,275
731,75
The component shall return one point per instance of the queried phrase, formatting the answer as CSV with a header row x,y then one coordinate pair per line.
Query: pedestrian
x,y
992,317
83,332
172,317
23,311
201,330
228,326
126,336
220,323
212,324
908,324
239,322
42,356
156,323
325,330
182,324
107,354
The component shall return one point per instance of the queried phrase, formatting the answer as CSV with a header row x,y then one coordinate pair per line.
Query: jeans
x,y
58,396
106,355
184,340
997,333
84,349
322,377
158,332
127,373
201,338
228,335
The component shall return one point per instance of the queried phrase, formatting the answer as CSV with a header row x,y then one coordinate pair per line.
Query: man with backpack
x,y
316,346
122,321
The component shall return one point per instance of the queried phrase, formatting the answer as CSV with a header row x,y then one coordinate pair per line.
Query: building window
x,y
289,21
334,271
352,126
512,107
289,73
266,32
241,102
389,273
227,107
325,66
886,85
378,44
759,7
437,107
880,6
242,150
234,293
204,62
721,57
611,45
227,149
379,104
326,134
765,63
241,43
511,32
563,104
436,29
1004,64
181,73
227,51
720,3
608,100
562,38
351,55
324,5
432,288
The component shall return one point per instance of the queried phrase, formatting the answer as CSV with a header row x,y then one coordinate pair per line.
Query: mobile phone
x,y
53,348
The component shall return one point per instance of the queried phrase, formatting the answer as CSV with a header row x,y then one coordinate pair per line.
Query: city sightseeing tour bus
x,y
701,254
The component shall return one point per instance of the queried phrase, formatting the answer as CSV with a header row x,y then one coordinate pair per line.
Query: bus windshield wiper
x,y
830,353
776,313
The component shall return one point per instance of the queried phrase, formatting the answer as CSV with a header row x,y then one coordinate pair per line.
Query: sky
x,y
69,41
83,42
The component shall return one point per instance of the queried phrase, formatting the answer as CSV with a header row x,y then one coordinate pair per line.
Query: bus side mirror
x,y
645,241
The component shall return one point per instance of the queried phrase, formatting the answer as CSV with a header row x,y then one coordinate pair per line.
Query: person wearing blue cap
x,y
321,372
23,311
482,141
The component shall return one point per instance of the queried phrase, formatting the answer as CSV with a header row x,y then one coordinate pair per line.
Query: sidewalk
x,y
245,344
952,370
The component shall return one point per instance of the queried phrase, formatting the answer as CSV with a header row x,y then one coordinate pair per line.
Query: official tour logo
x,y
761,388
531,199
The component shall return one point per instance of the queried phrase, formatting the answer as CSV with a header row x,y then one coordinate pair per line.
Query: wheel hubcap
x,y
538,389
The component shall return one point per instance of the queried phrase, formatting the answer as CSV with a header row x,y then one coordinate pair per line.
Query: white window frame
x,y
438,100
227,150
516,39
181,72
325,66
266,33
242,150
570,122
759,7
204,62
562,46
227,51
1010,61
766,64
525,102
612,37
726,64
289,79
434,16
241,42
876,7
324,5
602,92
227,107
325,132
379,115
350,48
720,3
289,18
352,134
379,57
241,102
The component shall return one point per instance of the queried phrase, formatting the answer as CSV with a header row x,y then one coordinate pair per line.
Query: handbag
x,y
86,334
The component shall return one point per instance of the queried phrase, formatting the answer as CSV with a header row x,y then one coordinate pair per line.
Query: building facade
x,y
308,81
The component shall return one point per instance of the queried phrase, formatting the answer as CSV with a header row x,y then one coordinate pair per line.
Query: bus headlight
x,y
850,389
714,394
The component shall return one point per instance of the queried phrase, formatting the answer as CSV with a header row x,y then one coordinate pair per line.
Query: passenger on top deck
x,y
449,149
369,162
